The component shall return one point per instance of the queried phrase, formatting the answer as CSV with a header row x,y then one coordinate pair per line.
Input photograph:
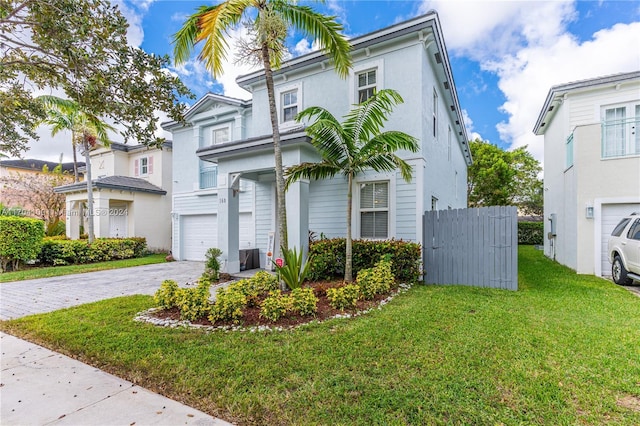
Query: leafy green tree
x,y
268,32
499,178
79,47
86,130
353,146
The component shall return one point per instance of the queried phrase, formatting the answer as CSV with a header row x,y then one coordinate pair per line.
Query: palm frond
x,y
369,117
186,38
387,162
390,141
322,28
311,171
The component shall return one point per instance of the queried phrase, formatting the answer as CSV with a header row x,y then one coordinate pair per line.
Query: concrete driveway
x,y
22,298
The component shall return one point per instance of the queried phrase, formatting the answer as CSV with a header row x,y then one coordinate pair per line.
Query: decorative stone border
x,y
146,316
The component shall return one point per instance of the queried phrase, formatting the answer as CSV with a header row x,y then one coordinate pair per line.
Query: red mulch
x,y
252,316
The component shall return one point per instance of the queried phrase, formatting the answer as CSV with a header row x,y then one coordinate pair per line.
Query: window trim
x,y
355,208
434,107
631,145
144,168
218,128
378,65
569,151
282,90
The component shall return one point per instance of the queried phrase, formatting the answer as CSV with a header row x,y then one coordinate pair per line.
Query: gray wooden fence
x,y
477,247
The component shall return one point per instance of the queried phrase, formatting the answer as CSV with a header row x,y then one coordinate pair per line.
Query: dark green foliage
x,y
329,256
64,252
212,265
20,240
295,269
531,233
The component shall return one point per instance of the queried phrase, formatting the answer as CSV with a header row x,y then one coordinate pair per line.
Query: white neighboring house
x,y
223,163
591,167
132,194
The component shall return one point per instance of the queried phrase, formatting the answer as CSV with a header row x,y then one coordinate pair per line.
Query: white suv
x,y
624,250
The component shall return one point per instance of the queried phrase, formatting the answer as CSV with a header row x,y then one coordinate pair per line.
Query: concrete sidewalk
x,y
42,387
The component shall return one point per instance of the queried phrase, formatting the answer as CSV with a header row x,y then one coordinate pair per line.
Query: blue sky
x,y
505,55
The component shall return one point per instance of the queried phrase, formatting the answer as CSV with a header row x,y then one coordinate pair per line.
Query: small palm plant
x,y
294,269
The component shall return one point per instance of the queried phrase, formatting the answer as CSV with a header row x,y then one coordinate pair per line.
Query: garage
x,y
611,215
199,233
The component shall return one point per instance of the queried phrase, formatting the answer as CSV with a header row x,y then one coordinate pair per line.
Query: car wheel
x,y
619,273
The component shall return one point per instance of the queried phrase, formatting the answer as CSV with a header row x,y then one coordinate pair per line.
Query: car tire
x,y
619,273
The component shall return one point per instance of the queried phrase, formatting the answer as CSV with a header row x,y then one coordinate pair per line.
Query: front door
x,y
118,218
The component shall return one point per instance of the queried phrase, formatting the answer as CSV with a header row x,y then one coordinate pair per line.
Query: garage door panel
x,y
612,214
199,233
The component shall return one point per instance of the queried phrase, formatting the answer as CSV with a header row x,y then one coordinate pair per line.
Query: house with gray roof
x,y
132,194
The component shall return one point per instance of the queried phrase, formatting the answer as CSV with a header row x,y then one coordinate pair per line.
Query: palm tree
x,y
65,114
353,146
274,18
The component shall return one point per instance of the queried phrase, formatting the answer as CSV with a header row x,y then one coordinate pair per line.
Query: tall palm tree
x,y
353,146
274,17
86,129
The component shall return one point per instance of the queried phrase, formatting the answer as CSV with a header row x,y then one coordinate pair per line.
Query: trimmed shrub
x,y
328,257
304,301
229,304
64,252
376,280
212,265
167,295
20,240
531,233
344,297
275,306
194,302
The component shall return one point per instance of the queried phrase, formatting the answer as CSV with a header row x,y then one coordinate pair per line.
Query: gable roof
x,y
124,183
37,165
202,102
556,93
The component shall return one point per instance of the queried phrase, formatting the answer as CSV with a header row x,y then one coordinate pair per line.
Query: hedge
x,y
20,240
328,257
64,252
531,233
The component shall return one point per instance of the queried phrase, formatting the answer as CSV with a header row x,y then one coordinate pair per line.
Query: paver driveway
x,y
21,298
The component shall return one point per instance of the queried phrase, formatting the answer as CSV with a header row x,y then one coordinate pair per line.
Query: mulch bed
x,y
252,316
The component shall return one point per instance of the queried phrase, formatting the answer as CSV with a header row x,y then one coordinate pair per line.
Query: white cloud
x,y
468,124
135,33
303,47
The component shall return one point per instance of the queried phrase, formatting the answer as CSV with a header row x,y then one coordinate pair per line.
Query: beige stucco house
x,y
132,194
591,166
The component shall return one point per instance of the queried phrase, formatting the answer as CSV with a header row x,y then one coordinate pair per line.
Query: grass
x,y
56,271
565,349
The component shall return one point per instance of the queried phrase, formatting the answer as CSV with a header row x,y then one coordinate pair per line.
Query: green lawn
x,y
565,349
56,271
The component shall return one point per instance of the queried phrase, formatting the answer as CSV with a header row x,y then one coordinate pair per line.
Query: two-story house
x,y
131,194
224,179
591,166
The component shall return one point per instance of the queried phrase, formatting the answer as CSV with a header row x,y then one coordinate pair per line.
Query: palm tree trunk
x,y
277,151
348,267
89,192
75,160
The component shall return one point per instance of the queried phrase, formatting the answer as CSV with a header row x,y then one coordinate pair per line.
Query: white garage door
x,y
611,216
199,233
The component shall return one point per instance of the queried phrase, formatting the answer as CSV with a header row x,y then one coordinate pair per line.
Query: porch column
x,y
297,198
73,220
100,215
229,221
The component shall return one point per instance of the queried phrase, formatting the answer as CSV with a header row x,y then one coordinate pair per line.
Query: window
x,y
374,210
569,151
620,130
634,231
367,85
434,203
143,166
289,106
208,175
220,135
449,144
617,231
435,113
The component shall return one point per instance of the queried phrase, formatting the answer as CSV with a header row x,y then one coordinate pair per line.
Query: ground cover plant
x,y
564,349
33,272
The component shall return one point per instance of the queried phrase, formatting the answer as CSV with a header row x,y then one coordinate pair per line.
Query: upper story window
x,y
220,135
374,210
435,113
208,175
434,203
367,84
449,137
569,151
289,104
620,135
143,166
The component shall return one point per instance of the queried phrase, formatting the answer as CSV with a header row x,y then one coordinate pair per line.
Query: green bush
x,y
212,265
294,270
229,304
194,302
376,280
531,233
167,295
344,297
328,257
304,301
20,240
275,306
63,252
